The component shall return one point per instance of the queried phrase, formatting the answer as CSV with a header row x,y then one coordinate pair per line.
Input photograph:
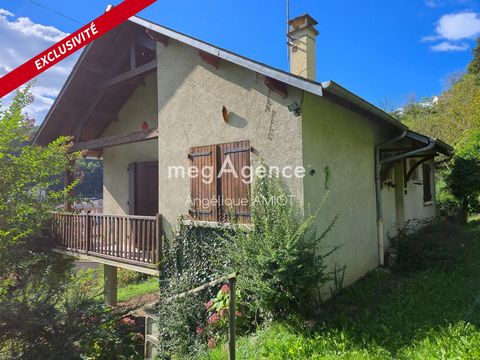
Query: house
x,y
150,102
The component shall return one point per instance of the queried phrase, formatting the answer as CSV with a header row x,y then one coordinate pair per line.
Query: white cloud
x,y
5,12
446,46
459,26
453,30
22,39
431,3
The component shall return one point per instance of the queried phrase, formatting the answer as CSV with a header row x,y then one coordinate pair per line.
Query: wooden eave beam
x,y
209,58
277,86
163,39
97,69
146,42
98,144
130,75
416,165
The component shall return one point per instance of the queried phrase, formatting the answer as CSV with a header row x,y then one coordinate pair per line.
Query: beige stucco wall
x,y
142,106
343,141
191,94
190,98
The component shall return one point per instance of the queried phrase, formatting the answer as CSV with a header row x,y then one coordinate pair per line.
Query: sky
x,y
385,51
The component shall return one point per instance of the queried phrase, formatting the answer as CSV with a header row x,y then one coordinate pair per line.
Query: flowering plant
x,y
217,310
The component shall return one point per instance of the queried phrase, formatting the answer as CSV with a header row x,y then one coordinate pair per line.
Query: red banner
x,y
72,43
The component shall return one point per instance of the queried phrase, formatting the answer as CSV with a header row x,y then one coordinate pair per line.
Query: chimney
x,y
301,40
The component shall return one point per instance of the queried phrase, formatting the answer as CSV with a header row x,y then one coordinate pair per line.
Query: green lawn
x,y
127,292
422,315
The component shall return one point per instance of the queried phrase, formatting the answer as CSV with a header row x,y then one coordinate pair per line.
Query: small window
x,y
221,189
427,183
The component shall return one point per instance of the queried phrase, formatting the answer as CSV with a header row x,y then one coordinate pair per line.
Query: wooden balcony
x,y
124,239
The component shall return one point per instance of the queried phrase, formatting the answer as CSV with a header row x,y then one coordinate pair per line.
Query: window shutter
x,y
427,183
234,187
203,188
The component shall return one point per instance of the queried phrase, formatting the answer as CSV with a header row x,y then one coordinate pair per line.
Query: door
x,y
143,188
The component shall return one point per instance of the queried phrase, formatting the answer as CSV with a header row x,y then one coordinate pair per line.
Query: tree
x,y
463,182
43,315
474,66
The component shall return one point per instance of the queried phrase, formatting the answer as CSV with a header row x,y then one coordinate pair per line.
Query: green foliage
x,y
463,182
91,178
423,244
194,256
387,315
127,277
45,313
474,66
447,205
28,172
279,258
453,117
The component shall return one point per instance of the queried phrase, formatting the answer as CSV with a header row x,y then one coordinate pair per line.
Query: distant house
x,y
147,99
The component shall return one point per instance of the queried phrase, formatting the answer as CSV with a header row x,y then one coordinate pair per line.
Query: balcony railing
x,y
125,238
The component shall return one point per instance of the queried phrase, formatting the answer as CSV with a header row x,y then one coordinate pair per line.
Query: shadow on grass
x,y
392,310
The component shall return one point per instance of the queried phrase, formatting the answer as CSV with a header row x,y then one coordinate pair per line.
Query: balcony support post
x,y
110,285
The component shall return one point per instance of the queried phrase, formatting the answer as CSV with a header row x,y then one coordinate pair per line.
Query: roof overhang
x,y
59,121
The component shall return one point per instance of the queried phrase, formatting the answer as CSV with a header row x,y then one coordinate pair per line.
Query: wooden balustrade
x,y
126,238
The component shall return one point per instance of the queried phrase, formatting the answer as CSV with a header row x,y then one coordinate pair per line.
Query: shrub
x,y
127,277
279,261
423,244
447,204
194,256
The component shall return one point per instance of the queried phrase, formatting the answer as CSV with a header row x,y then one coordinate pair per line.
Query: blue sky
x,y
378,49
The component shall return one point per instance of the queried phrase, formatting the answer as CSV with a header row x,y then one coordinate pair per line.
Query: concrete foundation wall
x,y
142,106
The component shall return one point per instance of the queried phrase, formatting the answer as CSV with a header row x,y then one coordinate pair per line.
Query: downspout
x,y
378,191
378,194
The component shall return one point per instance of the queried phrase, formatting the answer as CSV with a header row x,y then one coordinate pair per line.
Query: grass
x,y
130,291
130,284
428,314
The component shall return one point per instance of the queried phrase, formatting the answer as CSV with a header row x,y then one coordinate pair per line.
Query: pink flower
x,y
208,304
199,330
212,343
238,314
128,321
225,289
223,312
213,319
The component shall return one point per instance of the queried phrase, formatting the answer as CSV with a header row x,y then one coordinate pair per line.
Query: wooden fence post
x,y
158,240
231,321
87,231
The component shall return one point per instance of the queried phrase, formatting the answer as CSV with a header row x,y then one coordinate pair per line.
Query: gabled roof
x,y
63,120
299,82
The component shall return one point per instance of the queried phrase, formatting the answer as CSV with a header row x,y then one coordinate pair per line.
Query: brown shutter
x,y
427,183
202,192
234,192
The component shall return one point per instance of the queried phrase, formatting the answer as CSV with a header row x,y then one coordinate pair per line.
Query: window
x,y
427,183
220,182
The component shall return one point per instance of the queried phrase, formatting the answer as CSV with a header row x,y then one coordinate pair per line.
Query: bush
x,y
279,259
128,277
423,244
193,257
447,204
